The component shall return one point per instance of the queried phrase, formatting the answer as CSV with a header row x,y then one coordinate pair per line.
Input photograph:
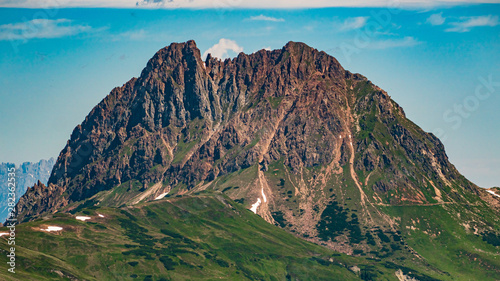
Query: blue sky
x,y
439,62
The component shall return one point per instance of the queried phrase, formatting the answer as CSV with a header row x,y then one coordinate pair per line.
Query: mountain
x,y
27,174
310,147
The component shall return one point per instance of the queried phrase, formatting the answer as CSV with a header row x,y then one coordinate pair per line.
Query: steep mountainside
x,y
27,174
291,135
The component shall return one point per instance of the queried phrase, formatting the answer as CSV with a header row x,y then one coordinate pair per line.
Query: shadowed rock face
x,y
290,127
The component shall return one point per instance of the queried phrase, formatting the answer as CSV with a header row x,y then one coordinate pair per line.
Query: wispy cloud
x,y
149,2
436,19
158,3
41,28
393,43
353,23
132,35
169,4
467,23
266,18
146,35
221,49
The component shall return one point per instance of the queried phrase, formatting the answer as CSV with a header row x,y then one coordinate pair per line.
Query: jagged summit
x,y
288,133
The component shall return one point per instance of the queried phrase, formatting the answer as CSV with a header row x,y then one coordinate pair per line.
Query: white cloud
x,y
150,2
467,23
136,35
141,35
353,23
393,43
41,28
133,35
266,18
221,49
436,19
169,4
66,3
265,48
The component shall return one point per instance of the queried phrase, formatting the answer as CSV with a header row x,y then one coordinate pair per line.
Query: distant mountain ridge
x,y
310,147
27,175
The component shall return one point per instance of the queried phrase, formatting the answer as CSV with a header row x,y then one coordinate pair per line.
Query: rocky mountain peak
x,y
169,57
288,133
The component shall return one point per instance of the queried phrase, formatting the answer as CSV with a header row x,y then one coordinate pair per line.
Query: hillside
x,y
200,237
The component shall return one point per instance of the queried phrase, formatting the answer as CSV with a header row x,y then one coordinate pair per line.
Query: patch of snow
x,y
340,137
255,206
489,191
263,195
161,196
101,216
3,233
83,218
53,228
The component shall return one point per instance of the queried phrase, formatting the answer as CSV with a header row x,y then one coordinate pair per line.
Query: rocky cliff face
x,y
288,133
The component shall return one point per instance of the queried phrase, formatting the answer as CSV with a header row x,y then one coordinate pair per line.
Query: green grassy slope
x,y
448,241
452,243
201,237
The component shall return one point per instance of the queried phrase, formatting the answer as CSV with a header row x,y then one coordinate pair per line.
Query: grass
x,y
202,237
207,236
275,101
443,242
378,240
182,149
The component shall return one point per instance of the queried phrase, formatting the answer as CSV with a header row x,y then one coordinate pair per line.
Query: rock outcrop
x,y
26,175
